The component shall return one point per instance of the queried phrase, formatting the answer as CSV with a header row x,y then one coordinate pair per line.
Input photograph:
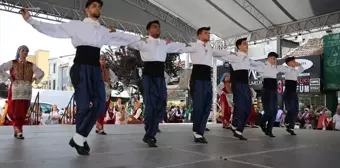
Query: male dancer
x,y
22,74
240,88
269,71
201,54
88,36
109,78
153,54
290,97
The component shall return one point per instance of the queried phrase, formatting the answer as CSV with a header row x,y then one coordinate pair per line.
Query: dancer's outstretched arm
x,y
64,30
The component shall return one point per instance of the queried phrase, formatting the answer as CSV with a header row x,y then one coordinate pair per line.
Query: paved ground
x,y
47,146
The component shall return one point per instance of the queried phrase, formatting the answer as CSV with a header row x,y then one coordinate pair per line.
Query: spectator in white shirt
x,y
278,118
336,119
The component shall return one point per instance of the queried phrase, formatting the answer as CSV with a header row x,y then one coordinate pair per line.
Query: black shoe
x,y
197,140
270,134
101,132
150,142
19,136
154,140
290,131
264,129
240,137
80,149
207,129
159,131
203,140
200,140
86,146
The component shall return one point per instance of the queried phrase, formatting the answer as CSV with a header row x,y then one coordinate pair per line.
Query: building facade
x,y
41,59
59,68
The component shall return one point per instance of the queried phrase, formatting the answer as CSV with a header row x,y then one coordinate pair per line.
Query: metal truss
x,y
301,27
254,12
165,16
63,14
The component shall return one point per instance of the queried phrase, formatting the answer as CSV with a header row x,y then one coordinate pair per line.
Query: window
x,y
53,85
54,68
49,84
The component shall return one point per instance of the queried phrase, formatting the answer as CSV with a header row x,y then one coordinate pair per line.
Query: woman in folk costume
x,y
226,100
21,74
109,78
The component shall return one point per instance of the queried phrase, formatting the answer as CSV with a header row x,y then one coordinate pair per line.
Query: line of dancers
x,y
268,71
89,77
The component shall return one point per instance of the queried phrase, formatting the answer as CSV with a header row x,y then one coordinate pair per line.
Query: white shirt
x,y
138,113
278,115
243,62
267,70
291,73
155,49
87,32
201,54
336,120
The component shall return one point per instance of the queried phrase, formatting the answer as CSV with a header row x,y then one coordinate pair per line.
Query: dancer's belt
x,y
154,68
290,85
87,55
201,72
270,83
240,76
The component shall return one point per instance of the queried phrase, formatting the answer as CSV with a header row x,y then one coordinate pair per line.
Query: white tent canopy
x,y
257,19
229,18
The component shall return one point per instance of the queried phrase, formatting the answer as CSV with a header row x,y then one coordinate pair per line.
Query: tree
x,y
126,63
3,90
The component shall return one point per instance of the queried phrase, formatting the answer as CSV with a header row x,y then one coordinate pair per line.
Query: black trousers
x,y
291,102
89,87
155,94
269,101
242,105
201,93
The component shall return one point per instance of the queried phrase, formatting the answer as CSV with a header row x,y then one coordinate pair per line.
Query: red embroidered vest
x,y
22,70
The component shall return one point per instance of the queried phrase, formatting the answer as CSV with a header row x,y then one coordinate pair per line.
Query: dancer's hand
x,y
25,14
233,53
112,29
33,79
144,39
